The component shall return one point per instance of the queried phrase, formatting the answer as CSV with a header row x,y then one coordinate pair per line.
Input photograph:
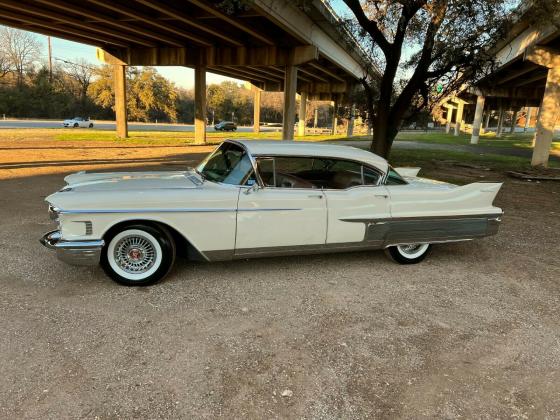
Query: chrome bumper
x,y
73,252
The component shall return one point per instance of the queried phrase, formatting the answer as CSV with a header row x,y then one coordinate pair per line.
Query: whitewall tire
x,y
408,253
138,255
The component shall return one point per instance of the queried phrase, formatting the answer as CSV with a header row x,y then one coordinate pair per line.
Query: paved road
x,y
110,125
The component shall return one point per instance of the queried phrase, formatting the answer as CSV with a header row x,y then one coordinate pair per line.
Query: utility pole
x,y
50,58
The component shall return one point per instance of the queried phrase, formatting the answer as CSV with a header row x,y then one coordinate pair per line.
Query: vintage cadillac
x,y
254,198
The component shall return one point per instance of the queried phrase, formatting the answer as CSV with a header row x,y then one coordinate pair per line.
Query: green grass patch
x,y
515,140
178,138
428,158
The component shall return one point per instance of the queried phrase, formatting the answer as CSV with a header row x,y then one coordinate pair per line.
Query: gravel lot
x,y
471,332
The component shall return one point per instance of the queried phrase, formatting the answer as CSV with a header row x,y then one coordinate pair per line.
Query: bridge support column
x,y
289,117
350,128
459,118
487,121
499,129
527,118
256,111
119,80
334,116
449,118
548,116
513,121
316,117
550,106
200,104
477,119
302,114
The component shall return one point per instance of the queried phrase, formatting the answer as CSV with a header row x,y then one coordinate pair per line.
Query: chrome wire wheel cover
x,y
412,250
135,254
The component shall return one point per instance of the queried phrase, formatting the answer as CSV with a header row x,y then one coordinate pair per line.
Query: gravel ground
x,y
471,332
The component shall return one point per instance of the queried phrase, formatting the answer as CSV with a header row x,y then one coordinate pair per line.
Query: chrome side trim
x,y
73,252
157,210
181,210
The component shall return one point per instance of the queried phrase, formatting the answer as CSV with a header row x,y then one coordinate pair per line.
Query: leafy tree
x,y
149,95
418,43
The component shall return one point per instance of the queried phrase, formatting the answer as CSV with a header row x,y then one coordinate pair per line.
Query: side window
x,y
371,177
287,172
393,178
345,174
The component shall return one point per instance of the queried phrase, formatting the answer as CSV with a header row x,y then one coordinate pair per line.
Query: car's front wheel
x,y
76,125
90,125
138,255
409,253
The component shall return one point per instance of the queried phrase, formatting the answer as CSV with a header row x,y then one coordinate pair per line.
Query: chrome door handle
x,y
382,195
315,196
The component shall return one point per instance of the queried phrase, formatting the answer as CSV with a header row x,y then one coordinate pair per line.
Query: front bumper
x,y
73,252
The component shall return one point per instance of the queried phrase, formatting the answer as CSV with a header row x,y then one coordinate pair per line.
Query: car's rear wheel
x,y
90,125
409,253
76,125
138,255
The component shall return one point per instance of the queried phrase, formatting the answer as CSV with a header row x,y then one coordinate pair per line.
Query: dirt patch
x,y
471,332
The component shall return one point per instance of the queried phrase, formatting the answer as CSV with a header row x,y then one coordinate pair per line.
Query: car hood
x,y
127,181
69,121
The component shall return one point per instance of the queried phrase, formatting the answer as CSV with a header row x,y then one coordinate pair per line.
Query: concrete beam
x,y
119,80
504,92
477,119
289,116
217,56
287,14
200,105
302,113
543,56
341,87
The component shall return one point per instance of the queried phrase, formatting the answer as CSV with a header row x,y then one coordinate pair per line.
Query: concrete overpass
x,y
527,77
276,45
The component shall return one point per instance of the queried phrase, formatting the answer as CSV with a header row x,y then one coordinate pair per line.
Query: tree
x,y
20,50
418,43
149,95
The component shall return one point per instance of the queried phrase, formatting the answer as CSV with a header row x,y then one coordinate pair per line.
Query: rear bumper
x,y
73,252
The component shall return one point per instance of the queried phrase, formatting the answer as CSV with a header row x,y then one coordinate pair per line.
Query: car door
x,y
358,207
280,216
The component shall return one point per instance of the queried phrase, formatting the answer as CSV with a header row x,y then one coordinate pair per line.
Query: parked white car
x,y
78,122
261,198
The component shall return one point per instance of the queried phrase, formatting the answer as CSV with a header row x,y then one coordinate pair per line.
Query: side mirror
x,y
254,188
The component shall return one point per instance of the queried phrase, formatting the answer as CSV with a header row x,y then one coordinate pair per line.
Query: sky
x,y
181,76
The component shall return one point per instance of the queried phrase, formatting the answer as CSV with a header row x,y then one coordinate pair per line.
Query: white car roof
x,y
302,148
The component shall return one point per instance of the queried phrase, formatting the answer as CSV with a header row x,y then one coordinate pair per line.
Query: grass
x,y
399,156
178,138
516,140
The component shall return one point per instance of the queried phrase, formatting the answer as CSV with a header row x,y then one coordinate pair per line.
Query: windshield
x,y
229,164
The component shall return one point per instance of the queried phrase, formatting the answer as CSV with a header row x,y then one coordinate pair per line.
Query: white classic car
x,y
261,198
78,122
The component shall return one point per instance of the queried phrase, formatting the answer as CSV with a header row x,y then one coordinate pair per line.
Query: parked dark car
x,y
225,126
